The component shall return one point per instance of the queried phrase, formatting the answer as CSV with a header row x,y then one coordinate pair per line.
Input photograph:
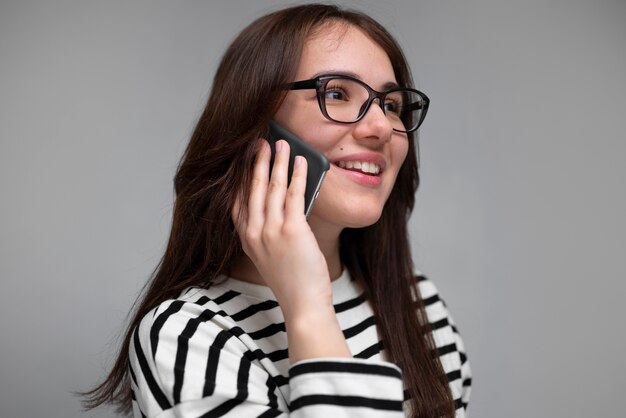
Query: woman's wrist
x,y
315,333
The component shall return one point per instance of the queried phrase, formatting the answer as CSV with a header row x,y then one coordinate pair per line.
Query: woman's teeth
x,y
364,166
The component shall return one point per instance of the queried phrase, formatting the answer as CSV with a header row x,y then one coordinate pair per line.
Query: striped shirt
x,y
222,352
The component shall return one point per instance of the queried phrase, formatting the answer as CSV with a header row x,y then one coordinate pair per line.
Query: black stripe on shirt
x,y
132,373
253,309
442,323
222,409
270,413
358,328
431,300
271,392
281,380
210,374
370,351
160,321
278,355
346,401
242,391
275,356
453,375
349,304
268,331
158,395
182,349
226,297
341,367
458,404
242,378
236,331
203,300
446,349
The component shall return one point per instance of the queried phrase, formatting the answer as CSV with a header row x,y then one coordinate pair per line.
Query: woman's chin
x,y
352,218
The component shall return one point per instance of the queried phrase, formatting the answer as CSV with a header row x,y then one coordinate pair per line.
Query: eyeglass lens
x,y
345,101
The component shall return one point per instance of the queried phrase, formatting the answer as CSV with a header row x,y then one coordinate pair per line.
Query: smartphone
x,y
317,164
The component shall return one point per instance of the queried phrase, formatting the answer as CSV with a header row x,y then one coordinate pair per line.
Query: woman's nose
x,y
374,123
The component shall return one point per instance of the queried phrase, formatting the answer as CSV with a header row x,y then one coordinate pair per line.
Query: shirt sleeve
x,y
345,388
465,370
449,344
189,361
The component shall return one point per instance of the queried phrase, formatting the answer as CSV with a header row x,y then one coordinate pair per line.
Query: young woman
x,y
257,311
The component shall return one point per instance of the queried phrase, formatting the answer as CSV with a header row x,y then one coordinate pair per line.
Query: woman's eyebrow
x,y
336,72
390,85
387,86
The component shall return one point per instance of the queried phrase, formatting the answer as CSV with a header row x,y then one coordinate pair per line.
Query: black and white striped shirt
x,y
222,352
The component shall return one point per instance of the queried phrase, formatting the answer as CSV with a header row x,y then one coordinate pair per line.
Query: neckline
x,y
340,286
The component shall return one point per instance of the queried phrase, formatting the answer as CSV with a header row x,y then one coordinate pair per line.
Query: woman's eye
x,y
335,94
392,106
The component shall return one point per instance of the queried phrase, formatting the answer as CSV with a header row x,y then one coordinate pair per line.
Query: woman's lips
x,y
364,168
358,176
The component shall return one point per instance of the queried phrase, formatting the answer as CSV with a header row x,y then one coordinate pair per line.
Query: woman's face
x,y
348,196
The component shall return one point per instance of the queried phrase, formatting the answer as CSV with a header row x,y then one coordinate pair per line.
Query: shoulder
x,y
198,315
436,308
447,339
437,312
182,317
173,350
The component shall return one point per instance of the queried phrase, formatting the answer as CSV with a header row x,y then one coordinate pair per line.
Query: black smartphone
x,y
317,164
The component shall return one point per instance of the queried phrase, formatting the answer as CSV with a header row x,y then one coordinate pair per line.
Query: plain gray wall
x,y
519,218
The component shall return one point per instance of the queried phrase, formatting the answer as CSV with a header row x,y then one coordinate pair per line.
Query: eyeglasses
x,y
345,99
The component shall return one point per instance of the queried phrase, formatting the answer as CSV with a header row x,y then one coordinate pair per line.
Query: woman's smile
x,y
366,155
363,168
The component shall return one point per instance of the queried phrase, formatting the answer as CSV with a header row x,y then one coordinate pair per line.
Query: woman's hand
x,y
275,235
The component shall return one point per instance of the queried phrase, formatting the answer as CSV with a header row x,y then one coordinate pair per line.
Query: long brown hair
x,y
203,242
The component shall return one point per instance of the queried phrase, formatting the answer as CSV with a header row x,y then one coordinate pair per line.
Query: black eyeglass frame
x,y
319,84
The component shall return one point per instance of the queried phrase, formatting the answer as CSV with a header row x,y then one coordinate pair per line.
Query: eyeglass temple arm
x,y
416,105
302,85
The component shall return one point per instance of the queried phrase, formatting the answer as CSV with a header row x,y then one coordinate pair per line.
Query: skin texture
x,y
295,258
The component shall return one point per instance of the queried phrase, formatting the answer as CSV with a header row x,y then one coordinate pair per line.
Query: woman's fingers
x,y
236,213
258,188
272,204
277,188
294,202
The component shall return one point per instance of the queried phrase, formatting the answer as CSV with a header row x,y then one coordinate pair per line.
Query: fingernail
x,y
279,145
298,161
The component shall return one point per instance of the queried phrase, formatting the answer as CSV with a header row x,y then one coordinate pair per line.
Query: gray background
x,y
519,217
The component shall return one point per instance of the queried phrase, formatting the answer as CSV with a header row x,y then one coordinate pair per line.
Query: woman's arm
x,y
189,359
277,238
